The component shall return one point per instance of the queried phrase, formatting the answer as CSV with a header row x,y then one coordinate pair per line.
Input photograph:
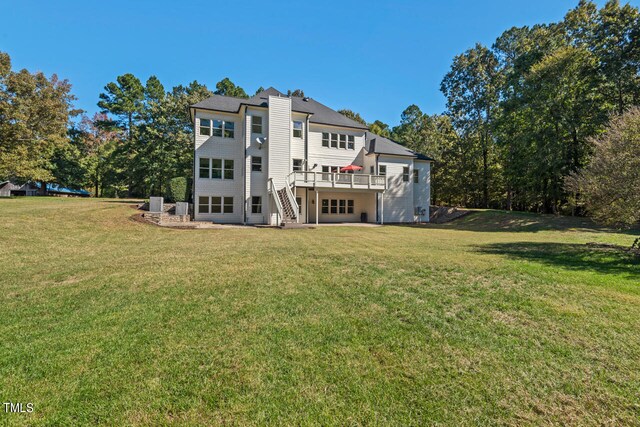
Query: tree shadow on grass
x,y
525,222
570,256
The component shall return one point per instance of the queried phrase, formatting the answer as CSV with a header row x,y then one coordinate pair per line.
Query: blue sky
x,y
375,58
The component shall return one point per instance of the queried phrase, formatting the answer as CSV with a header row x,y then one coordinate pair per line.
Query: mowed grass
x,y
497,319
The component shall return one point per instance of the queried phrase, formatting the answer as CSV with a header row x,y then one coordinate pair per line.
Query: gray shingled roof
x,y
320,113
376,144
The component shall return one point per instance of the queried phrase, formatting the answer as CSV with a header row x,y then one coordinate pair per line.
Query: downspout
x,y
193,182
377,194
244,167
306,143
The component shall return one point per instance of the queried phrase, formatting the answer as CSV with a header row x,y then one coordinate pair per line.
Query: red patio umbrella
x,y
351,168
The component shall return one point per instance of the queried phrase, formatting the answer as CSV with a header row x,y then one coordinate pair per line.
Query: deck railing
x,y
338,180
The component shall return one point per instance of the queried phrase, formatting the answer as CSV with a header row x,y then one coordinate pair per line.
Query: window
x,y
256,124
204,167
203,204
205,127
297,164
216,205
343,141
228,205
256,164
297,129
372,170
299,202
217,127
351,142
256,204
325,139
219,168
334,140
382,169
228,169
229,128
325,173
416,176
325,206
222,128
405,174
338,207
216,168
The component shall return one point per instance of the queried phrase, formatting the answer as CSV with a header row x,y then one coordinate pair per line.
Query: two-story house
x,y
274,158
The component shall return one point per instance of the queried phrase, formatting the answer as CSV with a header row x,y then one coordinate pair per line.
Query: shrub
x,y
178,190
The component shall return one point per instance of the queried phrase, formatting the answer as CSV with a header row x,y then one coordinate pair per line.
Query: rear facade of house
x,y
273,158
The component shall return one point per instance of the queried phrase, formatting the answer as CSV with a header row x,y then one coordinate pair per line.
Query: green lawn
x,y
499,318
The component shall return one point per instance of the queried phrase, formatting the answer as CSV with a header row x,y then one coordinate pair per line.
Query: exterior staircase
x,y
288,212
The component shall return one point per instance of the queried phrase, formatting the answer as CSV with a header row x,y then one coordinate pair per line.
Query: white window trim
x,y
223,128
293,128
256,124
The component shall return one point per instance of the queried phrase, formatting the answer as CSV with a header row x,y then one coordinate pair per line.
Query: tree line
x,y
522,114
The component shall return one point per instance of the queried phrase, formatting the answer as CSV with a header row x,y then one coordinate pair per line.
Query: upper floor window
x,y
228,169
382,169
256,124
338,140
204,168
215,168
416,176
297,129
217,127
297,164
229,129
223,128
405,174
205,127
256,164
372,170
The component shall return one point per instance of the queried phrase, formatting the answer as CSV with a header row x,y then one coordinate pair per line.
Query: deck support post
x,y
317,207
382,208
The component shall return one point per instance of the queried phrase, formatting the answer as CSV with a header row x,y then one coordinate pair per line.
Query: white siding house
x,y
273,158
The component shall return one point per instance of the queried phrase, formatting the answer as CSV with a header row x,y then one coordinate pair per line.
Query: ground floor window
x,y
299,202
203,205
256,204
338,206
215,205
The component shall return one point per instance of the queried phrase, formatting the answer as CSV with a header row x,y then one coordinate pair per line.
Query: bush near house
x,y
178,190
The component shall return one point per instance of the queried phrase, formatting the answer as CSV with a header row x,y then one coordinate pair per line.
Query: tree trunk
x,y
485,173
43,188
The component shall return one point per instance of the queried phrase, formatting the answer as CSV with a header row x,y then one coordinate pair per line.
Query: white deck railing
x,y
338,180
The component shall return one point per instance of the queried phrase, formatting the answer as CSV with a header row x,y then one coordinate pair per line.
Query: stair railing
x,y
294,203
274,194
